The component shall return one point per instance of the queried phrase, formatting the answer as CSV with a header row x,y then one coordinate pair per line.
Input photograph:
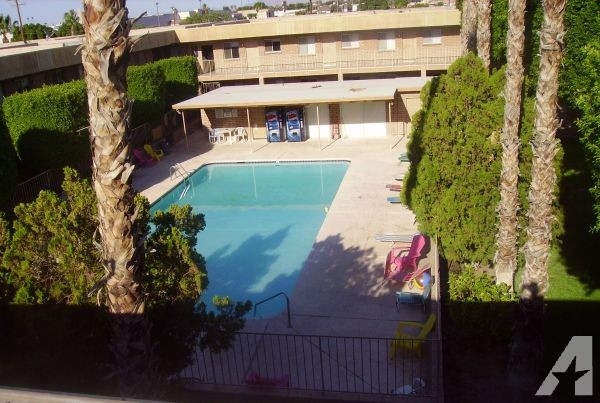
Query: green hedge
x,y
44,132
43,125
181,75
146,86
8,167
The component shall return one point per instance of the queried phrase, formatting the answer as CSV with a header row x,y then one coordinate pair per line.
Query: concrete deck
x,y
340,291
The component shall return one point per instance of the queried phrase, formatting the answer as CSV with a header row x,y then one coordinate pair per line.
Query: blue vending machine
x,y
294,124
274,122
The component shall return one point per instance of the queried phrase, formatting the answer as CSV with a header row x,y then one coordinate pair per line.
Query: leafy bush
x,y
588,103
479,308
51,260
452,185
181,78
45,133
8,167
146,87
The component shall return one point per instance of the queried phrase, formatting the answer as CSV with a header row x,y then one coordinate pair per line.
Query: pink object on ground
x,y
401,262
254,379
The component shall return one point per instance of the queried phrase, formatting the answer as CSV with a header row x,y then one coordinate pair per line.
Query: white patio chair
x,y
215,136
240,134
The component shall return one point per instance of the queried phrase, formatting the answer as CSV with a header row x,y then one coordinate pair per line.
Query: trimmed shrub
x,y
146,88
8,167
43,125
181,78
452,185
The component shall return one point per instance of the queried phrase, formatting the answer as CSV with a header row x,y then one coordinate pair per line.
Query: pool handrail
x,y
287,304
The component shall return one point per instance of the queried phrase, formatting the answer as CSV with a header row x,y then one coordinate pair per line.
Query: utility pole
x,y
157,16
17,4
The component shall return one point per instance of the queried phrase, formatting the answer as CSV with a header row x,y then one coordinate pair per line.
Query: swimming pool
x,y
261,222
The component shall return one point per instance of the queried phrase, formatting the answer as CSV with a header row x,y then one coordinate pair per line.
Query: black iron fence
x,y
356,365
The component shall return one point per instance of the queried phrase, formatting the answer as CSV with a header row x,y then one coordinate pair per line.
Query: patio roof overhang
x,y
305,93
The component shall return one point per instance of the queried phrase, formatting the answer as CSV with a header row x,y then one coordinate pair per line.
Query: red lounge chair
x,y
402,262
142,159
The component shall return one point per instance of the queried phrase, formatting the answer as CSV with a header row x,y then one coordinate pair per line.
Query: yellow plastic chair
x,y
410,336
157,155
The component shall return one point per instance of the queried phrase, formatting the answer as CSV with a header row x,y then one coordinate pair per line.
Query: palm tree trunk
x,y
105,54
484,35
506,255
527,342
545,147
468,29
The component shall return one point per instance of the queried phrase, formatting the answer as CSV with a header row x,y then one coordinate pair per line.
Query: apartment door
x,y
363,120
323,122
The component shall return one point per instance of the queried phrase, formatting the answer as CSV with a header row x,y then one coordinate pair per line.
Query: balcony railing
x,y
355,62
327,364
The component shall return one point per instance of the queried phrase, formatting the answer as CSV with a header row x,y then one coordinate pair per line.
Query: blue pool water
x,y
261,222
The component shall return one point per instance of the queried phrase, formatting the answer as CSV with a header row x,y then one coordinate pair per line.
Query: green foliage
x,y
470,286
146,87
32,32
218,330
8,166
5,288
51,257
175,272
208,16
582,26
45,132
181,78
479,308
533,22
452,185
588,103
71,25
374,5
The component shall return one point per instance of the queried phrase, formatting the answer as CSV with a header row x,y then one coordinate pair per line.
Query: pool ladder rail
x,y
287,304
178,171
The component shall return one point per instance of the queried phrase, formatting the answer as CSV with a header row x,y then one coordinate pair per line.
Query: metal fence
x,y
355,365
28,191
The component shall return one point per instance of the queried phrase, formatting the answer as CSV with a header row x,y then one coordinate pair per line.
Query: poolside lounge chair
x,y
399,177
394,199
403,157
388,237
411,336
402,261
142,159
394,187
156,154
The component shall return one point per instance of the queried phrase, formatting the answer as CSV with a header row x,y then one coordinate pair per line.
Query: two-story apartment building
x,y
394,45
278,55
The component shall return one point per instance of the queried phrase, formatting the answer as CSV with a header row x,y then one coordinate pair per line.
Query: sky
x,y
51,12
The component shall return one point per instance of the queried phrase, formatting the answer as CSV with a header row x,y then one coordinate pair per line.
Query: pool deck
x,y
340,291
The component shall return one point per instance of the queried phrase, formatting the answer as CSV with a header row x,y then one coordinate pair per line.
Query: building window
x,y
349,41
232,50
432,37
272,45
223,113
386,40
306,45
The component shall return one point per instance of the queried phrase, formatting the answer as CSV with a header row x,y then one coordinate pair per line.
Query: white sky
x,y
51,12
